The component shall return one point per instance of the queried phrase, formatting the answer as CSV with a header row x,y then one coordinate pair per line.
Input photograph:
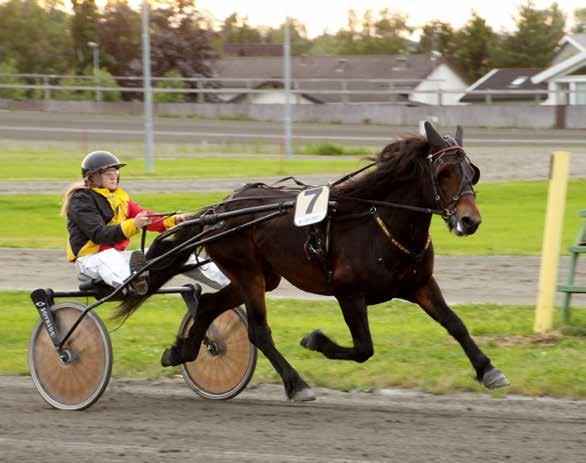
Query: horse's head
x,y
452,178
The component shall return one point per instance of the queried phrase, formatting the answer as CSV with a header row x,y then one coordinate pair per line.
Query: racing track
x,y
164,421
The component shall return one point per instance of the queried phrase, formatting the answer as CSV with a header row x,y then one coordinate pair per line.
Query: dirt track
x,y
164,421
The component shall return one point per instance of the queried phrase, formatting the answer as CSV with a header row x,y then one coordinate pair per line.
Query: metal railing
x,y
397,91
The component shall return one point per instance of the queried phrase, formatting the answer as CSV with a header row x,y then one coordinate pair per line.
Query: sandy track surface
x,y
469,279
140,421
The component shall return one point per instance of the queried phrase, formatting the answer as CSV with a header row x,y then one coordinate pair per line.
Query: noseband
x,y
451,155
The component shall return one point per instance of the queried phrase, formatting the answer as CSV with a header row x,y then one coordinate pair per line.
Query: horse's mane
x,y
398,162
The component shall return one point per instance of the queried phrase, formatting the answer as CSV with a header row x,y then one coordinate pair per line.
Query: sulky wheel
x,y
226,360
80,382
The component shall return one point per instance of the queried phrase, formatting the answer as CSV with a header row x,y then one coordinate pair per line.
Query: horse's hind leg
x,y
354,310
430,298
211,305
260,335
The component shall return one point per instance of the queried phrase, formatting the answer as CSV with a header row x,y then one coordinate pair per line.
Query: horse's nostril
x,y
467,221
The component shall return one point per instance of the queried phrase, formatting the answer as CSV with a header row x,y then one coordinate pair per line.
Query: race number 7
x,y
316,194
311,206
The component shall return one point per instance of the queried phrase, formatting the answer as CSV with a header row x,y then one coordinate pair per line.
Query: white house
x,y
566,77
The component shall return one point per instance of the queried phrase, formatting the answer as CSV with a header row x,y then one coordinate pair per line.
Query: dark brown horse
x,y
375,246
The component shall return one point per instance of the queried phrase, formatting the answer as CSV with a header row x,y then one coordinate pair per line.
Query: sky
x,y
318,15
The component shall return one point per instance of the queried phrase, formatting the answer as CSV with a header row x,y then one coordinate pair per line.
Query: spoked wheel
x,y
78,383
226,360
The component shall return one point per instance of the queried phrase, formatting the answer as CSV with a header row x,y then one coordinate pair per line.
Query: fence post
x,y
46,89
552,234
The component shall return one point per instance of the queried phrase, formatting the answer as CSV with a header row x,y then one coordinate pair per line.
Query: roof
x,y
577,40
572,63
505,79
407,70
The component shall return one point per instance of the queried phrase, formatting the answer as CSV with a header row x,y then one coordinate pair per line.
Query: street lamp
x,y
96,52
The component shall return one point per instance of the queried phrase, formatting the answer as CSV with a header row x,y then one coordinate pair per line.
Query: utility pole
x,y
287,82
147,90
96,55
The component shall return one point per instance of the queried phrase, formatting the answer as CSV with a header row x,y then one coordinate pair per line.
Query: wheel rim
x,y
222,370
79,383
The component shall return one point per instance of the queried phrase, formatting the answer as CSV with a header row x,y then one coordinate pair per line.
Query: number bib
x,y
311,206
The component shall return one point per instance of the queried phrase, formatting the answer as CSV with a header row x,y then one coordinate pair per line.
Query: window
x,y
518,81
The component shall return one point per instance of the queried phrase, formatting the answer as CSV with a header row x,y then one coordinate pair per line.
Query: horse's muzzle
x,y
463,226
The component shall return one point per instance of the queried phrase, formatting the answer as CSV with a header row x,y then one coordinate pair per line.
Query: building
x,y
506,85
562,83
566,77
396,79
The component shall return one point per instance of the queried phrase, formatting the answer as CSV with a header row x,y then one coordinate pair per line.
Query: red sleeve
x,y
135,208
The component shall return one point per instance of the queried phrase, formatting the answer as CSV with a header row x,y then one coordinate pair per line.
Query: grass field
x,y
410,349
513,216
58,165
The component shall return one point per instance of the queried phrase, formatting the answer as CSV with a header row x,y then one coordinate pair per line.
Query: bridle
x,y
453,154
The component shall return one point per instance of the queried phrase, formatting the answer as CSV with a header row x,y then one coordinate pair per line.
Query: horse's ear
x,y
433,138
460,135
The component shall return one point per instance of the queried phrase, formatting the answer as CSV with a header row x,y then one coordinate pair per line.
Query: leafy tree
x,y
236,30
170,97
297,35
370,35
534,42
119,38
475,42
84,24
8,67
35,39
438,36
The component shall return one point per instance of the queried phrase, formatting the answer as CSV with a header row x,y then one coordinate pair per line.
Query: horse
x,y
378,247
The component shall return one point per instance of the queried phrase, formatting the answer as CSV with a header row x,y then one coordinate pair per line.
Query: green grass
x,y
56,164
513,219
410,349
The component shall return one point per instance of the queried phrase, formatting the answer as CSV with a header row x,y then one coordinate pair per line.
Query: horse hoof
x,y
311,340
494,378
304,395
169,358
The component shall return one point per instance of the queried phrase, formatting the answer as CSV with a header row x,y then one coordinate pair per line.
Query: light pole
x,y
147,90
96,52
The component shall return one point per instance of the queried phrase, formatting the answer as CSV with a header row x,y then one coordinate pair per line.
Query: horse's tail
x,y
163,271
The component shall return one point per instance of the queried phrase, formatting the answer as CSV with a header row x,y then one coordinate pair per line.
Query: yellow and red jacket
x,y
99,219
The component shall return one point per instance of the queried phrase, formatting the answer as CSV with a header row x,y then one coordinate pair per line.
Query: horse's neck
x,y
409,227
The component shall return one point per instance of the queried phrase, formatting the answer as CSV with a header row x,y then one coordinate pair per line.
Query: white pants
x,y
113,267
110,266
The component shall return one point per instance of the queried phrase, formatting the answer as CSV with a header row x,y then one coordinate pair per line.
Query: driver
x,y
101,219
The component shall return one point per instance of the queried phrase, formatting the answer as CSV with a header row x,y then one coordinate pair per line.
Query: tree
x,y
475,42
534,42
438,36
236,30
381,34
119,38
84,29
36,40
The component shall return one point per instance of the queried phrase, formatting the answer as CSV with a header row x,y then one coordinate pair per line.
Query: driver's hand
x,y
141,220
183,217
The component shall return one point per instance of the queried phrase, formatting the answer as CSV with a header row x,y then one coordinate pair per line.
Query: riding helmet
x,y
99,160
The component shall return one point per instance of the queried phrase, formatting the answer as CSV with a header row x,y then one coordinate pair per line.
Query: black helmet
x,y
98,160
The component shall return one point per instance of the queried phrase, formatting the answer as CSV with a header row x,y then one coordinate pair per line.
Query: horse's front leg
x,y
430,298
354,310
